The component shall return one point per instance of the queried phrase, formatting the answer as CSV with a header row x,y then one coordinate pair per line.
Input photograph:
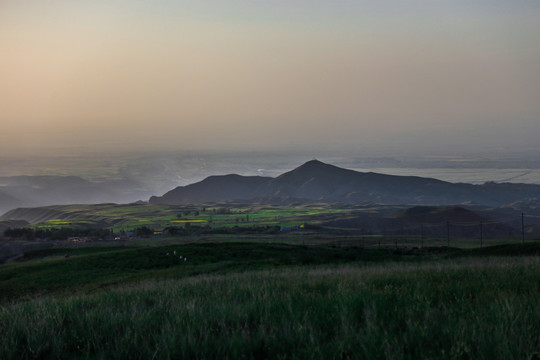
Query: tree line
x,y
56,233
143,231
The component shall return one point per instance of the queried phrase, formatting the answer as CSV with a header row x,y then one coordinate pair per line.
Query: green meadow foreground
x,y
254,300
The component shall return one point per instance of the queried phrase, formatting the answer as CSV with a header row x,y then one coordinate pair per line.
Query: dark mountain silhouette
x,y
435,214
313,180
317,181
17,191
437,221
212,189
457,220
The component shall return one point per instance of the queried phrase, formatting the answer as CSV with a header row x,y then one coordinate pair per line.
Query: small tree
x,y
144,231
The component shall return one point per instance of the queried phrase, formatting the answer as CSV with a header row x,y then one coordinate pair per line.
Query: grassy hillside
x,y
65,271
232,302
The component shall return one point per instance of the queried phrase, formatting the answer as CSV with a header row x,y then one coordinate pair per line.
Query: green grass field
x,y
65,270
257,300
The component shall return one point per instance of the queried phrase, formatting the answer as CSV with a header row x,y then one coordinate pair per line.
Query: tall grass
x,y
456,309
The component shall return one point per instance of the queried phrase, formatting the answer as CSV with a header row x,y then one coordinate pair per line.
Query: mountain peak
x,y
316,168
312,180
315,164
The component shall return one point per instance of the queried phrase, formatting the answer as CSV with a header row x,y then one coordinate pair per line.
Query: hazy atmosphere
x,y
270,179
411,76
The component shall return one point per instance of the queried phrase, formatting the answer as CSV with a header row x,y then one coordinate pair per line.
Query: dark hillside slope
x,y
462,222
435,214
313,180
213,188
319,181
34,215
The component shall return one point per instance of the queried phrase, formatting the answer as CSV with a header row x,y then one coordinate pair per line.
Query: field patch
x,y
188,221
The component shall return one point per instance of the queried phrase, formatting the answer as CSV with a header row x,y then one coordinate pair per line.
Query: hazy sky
x,y
243,74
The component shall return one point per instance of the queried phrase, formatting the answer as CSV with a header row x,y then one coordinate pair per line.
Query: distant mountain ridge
x,y
8,202
216,188
317,181
43,190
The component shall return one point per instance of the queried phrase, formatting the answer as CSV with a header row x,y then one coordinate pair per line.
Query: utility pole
x,y
384,235
447,233
481,232
396,235
421,235
402,235
522,228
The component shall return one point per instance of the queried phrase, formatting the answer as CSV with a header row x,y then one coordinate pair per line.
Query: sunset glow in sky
x,y
245,74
